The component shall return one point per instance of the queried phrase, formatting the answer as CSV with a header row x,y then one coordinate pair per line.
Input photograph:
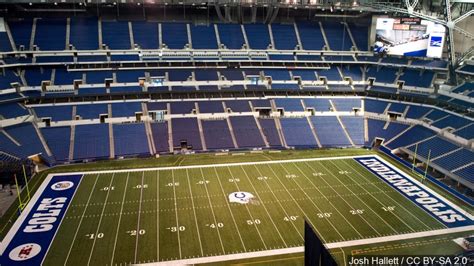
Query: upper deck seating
x,y
82,27
116,35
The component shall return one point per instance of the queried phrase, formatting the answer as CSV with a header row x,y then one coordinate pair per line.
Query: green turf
x,y
166,215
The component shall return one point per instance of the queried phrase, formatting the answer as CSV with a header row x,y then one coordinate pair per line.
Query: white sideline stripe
x,y
215,165
282,251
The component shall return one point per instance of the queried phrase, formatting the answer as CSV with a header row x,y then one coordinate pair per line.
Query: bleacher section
x,y
130,139
297,132
91,142
329,131
246,132
217,134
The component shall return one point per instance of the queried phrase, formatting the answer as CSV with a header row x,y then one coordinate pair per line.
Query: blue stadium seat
x,y
145,34
51,34
311,36
116,35
284,36
84,33
231,35
258,36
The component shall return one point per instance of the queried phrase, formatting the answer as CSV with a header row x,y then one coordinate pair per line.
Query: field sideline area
x,y
184,213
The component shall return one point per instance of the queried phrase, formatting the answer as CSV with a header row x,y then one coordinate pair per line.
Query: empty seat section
x,y
415,78
203,37
270,131
91,141
285,86
35,76
238,106
258,36
129,75
289,105
91,111
436,114
126,109
98,77
56,113
352,71
329,131
434,147
231,35
284,36
205,75
8,78
415,111
182,107
186,130
12,110
58,140
311,36
232,74
337,36
330,74
297,132
466,173
453,121
84,33
383,75
145,34
304,74
5,45
179,75
175,35
246,132
210,107
375,106
64,77
278,74
360,33
26,135
51,34
115,34
376,129
21,32
346,104
455,160
319,104
467,132
355,128
217,134
397,108
414,134
160,136
130,139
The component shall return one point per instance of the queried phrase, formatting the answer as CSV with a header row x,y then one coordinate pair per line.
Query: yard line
x,y
315,205
388,195
157,216
279,203
343,216
265,208
176,213
327,170
301,209
363,202
80,221
212,210
246,207
376,199
100,219
138,222
230,211
194,211
120,218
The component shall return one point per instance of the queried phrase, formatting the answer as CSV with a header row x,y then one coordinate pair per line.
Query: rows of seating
x,y
51,34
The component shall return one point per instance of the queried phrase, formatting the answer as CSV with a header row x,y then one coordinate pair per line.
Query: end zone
x,y
29,239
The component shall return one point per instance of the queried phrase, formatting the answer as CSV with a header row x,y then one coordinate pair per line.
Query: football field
x,y
178,213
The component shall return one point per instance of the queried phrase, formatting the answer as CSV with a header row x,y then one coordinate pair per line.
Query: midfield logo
x,y
241,197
